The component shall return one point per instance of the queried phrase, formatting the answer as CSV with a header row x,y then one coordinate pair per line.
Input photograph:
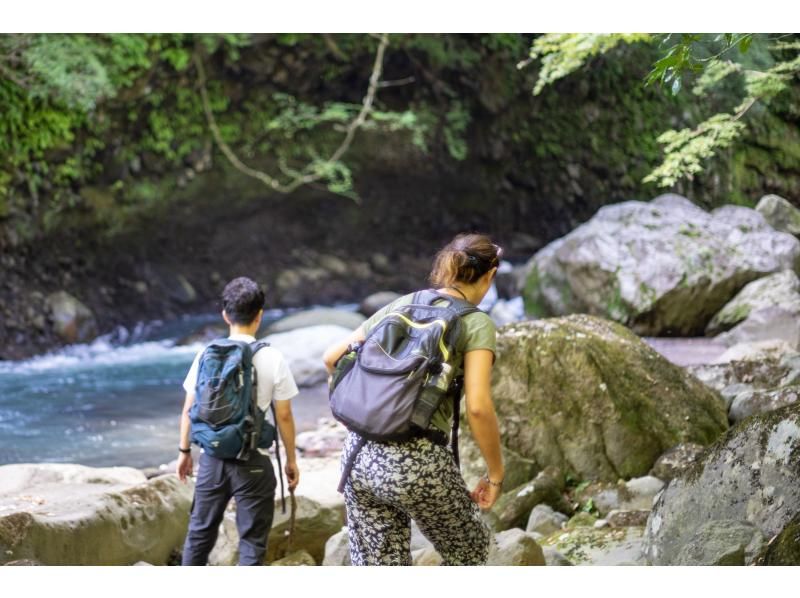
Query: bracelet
x,y
486,479
185,451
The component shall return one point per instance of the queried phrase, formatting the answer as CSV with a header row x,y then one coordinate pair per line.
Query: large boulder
x,y
780,214
74,515
303,349
589,397
322,316
750,475
666,266
72,321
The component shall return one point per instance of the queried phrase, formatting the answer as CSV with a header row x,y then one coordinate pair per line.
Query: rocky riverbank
x,y
615,454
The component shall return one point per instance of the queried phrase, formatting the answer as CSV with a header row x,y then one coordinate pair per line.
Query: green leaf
x,y
744,44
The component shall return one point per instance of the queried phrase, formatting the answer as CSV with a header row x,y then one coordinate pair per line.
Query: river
x,y
116,401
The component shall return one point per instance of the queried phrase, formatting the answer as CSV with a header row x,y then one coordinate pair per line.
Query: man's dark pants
x,y
252,483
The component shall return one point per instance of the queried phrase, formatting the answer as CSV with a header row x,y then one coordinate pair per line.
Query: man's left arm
x,y
185,464
285,421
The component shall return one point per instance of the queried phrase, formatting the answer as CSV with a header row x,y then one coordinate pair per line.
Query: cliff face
x,y
154,204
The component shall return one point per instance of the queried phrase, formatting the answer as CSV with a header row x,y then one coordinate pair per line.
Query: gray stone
x,y
783,548
628,518
72,320
300,558
587,396
303,349
62,514
766,324
418,539
513,508
749,475
376,301
641,492
515,547
314,524
605,498
780,214
590,546
322,316
581,519
722,542
426,557
544,520
677,460
506,311
337,550
553,558
756,351
760,401
666,266
326,440
780,290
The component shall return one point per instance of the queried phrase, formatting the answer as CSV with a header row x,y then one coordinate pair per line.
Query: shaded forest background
x,y
114,189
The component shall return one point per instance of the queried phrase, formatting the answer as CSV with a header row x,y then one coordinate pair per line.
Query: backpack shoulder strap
x,y
459,306
256,346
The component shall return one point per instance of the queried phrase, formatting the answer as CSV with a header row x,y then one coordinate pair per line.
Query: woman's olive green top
x,y
477,332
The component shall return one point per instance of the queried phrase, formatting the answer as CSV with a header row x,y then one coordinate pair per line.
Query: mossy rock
x,y
587,396
783,549
751,475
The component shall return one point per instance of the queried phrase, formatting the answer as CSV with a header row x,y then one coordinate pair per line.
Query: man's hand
x,y
485,494
185,466
292,475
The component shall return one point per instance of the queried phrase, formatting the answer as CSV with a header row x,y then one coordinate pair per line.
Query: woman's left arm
x,y
483,423
335,351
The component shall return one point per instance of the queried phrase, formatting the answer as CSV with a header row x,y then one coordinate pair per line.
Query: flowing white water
x,y
108,402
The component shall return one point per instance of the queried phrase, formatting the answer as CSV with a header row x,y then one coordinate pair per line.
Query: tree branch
x,y
309,174
334,48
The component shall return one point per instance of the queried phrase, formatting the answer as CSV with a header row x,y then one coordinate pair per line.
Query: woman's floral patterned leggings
x,y
394,482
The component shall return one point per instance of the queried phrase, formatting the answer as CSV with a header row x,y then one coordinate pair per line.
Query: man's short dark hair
x,y
242,299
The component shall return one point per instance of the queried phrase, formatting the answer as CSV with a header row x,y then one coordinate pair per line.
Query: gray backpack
x,y
389,386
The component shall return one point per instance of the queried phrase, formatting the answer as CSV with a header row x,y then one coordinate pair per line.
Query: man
x,y
252,482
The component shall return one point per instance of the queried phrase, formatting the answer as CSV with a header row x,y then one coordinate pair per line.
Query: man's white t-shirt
x,y
274,379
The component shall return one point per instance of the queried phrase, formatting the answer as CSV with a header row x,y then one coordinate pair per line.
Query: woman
x,y
394,482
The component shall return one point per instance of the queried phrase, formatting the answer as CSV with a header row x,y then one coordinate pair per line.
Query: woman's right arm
x,y
483,423
335,351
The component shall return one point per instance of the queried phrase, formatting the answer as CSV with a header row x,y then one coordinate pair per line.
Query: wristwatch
x,y
183,450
